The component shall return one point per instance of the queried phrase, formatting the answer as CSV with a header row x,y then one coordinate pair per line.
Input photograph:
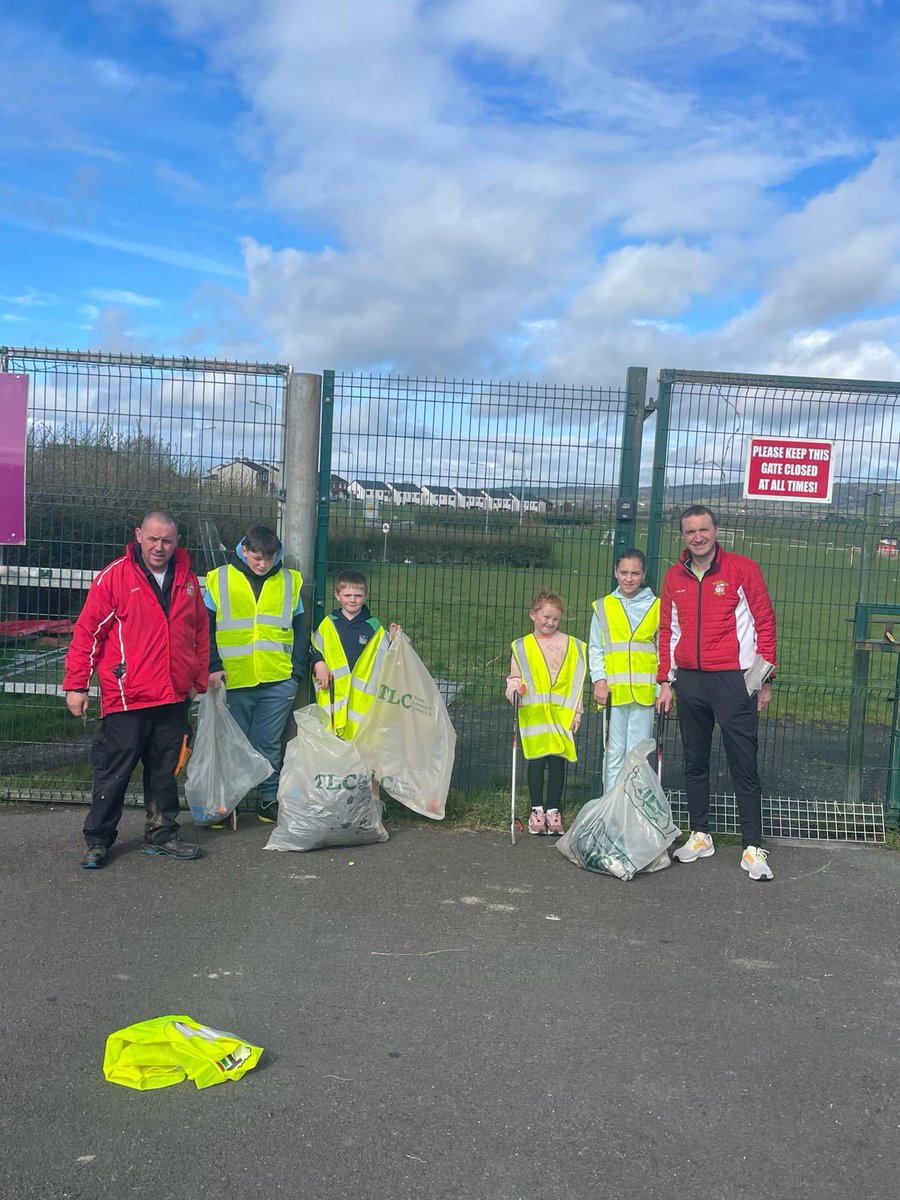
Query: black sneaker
x,y
267,812
174,849
95,858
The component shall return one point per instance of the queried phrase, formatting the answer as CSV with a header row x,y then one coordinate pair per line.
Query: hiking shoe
x,y
554,822
537,822
698,845
95,858
174,849
753,861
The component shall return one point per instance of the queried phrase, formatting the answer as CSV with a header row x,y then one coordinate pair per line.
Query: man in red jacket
x,y
145,633
715,620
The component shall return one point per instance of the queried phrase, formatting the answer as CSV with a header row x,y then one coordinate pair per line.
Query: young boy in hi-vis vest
x,y
547,671
623,659
347,655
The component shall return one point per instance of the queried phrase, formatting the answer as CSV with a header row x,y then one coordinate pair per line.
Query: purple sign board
x,y
13,418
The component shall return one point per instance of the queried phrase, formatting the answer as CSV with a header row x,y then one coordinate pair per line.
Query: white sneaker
x,y
753,861
698,845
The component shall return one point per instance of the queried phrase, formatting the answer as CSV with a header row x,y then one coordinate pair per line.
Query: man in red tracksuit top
x,y
145,632
715,618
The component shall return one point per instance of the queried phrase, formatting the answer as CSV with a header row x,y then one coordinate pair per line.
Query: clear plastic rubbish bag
x,y
223,766
325,793
407,738
629,828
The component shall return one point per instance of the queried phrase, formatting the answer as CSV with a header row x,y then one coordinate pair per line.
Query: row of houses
x,y
432,495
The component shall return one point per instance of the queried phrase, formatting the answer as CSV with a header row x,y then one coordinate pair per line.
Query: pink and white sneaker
x,y
537,822
554,822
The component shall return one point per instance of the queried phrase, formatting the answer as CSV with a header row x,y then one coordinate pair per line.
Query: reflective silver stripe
x,y
262,619
340,672
612,647
571,700
319,642
364,685
280,647
339,703
531,697
370,685
233,651
600,612
355,716
533,730
643,648
635,677
287,608
228,624
525,667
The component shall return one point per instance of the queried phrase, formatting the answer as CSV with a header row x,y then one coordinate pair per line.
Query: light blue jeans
x,y
628,724
262,714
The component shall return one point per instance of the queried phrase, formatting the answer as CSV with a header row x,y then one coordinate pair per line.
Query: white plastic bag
x,y
629,828
406,738
224,766
325,791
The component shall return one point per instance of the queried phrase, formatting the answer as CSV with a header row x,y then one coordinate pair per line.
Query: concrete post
x,y
301,474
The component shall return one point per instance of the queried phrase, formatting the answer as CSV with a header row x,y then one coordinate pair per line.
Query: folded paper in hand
x,y
757,674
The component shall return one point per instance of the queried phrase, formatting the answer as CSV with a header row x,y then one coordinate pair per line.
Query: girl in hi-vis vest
x,y
547,672
622,654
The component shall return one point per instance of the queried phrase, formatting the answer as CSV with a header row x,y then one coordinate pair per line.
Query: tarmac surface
x,y
445,1015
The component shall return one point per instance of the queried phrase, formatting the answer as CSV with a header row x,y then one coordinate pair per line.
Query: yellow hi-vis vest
x,y
548,708
354,690
255,637
630,656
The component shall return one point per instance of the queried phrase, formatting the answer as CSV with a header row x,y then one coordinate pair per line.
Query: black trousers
x,y
555,766
153,737
705,697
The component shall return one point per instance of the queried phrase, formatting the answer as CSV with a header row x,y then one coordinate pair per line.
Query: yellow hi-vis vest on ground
x,y
548,708
354,690
166,1050
255,637
630,656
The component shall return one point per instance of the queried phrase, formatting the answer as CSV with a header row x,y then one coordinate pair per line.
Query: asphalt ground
x,y
446,1016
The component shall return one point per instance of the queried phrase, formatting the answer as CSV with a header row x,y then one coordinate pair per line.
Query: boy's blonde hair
x,y
545,597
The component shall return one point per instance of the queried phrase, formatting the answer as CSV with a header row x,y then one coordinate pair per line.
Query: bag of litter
x,y
223,766
629,828
325,791
407,738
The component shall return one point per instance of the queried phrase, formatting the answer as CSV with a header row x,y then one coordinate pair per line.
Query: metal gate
x,y
829,739
460,500
111,436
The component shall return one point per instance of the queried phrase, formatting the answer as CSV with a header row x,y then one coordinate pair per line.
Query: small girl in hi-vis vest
x,y
547,673
623,658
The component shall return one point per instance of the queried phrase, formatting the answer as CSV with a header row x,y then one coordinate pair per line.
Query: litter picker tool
x,y
661,717
331,699
513,821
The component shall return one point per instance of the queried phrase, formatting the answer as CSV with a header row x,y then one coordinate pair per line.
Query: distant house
x,y
405,493
438,497
531,502
337,488
469,497
245,475
367,489
498,500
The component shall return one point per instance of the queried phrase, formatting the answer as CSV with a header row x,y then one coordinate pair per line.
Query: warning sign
x,y
780,468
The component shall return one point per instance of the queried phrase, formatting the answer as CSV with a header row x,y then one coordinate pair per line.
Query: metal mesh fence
x,y
460,500
819,561
110,437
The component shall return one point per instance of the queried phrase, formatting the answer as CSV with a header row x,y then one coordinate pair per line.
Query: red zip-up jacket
x,y
717,623
142,656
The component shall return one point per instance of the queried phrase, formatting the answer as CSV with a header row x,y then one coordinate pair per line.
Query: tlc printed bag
x,y
325,791
629,828
406,738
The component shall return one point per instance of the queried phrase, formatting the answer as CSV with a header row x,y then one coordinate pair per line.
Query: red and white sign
x,y
782,468
13,433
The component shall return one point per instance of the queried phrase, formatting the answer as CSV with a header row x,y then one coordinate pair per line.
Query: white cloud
x,y
479,165
131,299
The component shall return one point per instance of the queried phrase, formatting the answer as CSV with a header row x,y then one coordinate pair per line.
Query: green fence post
x,y
892,791
323,503
658,482
859,679
630,462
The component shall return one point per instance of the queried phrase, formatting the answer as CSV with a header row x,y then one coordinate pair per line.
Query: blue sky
x,y
543,188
